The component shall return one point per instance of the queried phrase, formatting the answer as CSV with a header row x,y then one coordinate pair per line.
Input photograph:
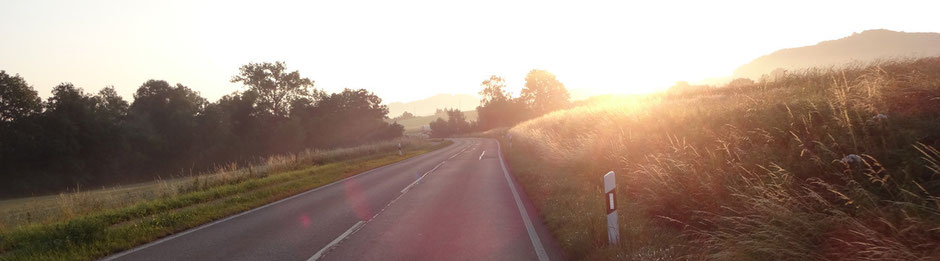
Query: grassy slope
x,y
105,231
748,173
416,122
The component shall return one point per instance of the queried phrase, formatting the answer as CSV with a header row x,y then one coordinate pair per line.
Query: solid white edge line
x,y
176,235
337,240
536,242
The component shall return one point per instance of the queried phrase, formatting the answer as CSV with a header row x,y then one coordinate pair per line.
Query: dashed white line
x,y
481,154
361,224
458,153
191,230
338,239
422,177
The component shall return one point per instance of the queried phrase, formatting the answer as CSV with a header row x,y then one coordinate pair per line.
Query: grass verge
x,y
822,164
103,232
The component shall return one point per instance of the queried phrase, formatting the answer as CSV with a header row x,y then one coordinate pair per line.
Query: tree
x,y
440,128
164,118
494,91
352,116
456,123
231,129
17,99
543,93
497,108
76,137
276,88
111,104
81,135
405,115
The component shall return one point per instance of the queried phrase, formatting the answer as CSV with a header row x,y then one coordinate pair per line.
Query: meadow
x,y
83,225
818,164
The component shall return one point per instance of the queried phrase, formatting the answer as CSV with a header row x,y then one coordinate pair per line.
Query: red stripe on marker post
x,y
610,188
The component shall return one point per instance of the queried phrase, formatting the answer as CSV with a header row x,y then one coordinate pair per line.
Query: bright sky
x,y
408,50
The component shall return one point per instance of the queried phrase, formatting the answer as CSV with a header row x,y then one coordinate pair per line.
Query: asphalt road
x,y
456,203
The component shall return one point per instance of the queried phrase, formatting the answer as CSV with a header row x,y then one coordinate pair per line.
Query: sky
x,y
408,50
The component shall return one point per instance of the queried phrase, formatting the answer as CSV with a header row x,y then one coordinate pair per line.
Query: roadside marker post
x,y
610,188
510,140
399,149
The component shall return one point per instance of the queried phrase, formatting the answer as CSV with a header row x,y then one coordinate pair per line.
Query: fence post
x,y
610,188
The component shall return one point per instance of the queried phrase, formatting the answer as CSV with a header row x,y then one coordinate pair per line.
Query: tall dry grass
x,y
823,164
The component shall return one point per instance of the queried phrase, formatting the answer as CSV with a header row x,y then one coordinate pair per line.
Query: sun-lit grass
x,y
822,164
88,225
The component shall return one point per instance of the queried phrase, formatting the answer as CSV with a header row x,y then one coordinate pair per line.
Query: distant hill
x,y
866,46
428,106
415,123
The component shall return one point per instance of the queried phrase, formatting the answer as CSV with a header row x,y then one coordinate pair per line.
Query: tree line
x,y
75,138
542,93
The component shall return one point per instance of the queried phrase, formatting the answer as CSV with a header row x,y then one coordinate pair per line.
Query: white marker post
x,y
399,149
613,228
510,140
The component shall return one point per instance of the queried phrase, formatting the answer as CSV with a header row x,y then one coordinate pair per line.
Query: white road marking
x,y
533,236
191,230
481,154
458,153
325,250
422,177
348,232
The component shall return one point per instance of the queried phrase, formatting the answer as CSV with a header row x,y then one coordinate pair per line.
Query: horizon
x,y
393,47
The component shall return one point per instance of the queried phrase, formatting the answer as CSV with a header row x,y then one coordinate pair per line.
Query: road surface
x,y
455,203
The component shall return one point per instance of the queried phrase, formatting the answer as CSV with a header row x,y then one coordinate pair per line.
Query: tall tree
x,y
497,108
543,93
276,88
353,116
164,117
111,104
17,99
75,134
494,90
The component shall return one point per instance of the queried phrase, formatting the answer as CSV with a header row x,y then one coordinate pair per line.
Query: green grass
x,y
748,172
67,205
99,233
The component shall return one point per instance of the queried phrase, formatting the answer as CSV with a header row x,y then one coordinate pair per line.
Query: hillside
x,y
827,165
866,46
429,106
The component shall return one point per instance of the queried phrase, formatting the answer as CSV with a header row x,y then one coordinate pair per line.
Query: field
x,y
821,164
88,225
414,124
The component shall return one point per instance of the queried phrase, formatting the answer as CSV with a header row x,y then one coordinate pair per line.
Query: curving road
x,y
455,203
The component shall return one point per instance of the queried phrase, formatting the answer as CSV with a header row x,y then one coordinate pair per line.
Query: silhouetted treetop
x,y
17,99
276,88
494,90
543,93
111,104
